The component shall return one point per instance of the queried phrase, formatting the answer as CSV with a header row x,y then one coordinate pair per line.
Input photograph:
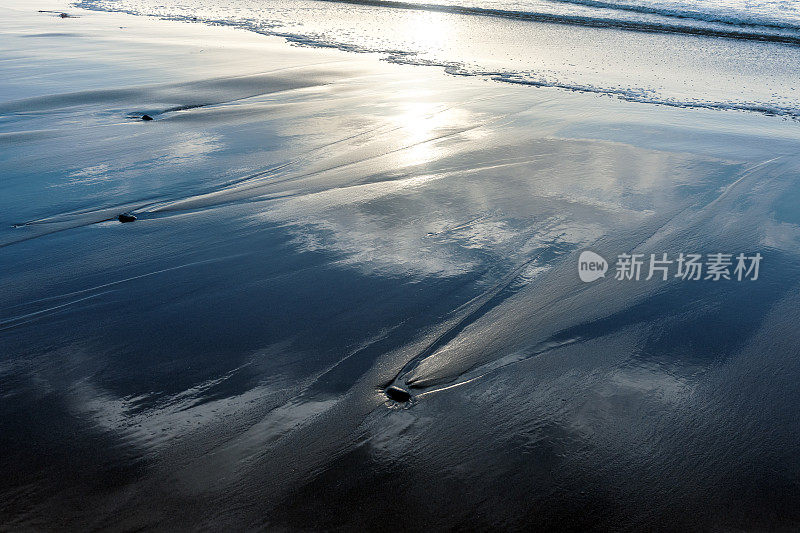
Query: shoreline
x,y
689,93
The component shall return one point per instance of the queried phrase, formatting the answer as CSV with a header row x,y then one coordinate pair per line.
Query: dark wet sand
x,y
313,226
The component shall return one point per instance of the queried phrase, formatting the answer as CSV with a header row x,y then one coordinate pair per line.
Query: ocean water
x,y
732,54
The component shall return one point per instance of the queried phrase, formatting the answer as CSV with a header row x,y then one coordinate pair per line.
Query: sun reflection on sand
x,y
419,123
424,130
422,121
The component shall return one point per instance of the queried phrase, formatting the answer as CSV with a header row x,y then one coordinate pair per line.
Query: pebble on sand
x,y
147,117
126,217
398,394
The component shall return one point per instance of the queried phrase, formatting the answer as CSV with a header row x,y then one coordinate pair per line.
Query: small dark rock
x,y
63,15
147,117
398,394
126,217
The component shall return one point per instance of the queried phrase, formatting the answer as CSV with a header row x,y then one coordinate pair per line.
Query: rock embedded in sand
x,y
147,117
398,394
63,15
126,217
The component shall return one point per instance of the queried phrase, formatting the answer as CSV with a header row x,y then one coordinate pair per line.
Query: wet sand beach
x,y
313,226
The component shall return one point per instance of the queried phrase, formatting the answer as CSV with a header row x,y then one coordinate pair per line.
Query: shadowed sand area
x,y
314,226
